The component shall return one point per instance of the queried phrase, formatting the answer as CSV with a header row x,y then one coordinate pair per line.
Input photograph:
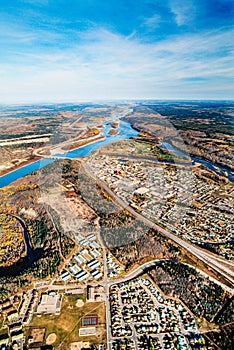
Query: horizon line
x,y
24,103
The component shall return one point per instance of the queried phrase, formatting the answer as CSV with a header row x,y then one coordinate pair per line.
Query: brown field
x,y
37,336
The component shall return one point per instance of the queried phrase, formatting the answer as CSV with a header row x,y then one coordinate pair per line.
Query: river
x,y
32,255
218,169
125,132
29,250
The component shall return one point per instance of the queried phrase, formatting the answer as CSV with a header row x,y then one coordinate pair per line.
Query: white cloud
x,y
107,65
152,22
184,11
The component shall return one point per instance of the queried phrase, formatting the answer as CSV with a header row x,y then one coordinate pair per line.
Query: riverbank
x,y
125,132
215,168
15,167
80,144
34,163
27,259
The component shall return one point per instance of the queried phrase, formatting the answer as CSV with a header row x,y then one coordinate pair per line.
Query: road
x,y
106,287
58,149
223,267
144,267
216,263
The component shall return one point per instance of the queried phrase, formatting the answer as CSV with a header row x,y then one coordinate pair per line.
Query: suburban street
x,y
216,263
223,267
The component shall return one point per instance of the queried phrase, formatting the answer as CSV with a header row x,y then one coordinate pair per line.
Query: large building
x,y
50,304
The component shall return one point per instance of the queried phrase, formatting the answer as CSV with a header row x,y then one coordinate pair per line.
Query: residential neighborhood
x,y
111,237
141,316
17,312
179,197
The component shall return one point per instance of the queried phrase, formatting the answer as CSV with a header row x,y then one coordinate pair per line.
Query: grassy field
x,y
66,325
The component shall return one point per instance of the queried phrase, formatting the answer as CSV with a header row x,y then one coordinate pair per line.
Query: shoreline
x,y
102,138
203,158
227,171
22,165
99,138
37,158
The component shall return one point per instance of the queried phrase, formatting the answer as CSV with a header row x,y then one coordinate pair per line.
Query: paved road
x,y
216,263
106,286
141,269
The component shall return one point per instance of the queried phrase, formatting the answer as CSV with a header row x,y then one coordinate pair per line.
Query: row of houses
x,y
113,268
169,193
18,311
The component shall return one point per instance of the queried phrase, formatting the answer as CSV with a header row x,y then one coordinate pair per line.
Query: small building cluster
x,y
95,293
113,267
86,263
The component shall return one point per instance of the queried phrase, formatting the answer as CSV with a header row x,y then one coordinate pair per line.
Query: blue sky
x,y
72,50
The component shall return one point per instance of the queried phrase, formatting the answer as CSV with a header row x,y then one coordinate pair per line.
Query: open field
x,y
66,325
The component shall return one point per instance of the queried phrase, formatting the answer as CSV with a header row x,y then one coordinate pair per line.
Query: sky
x,y
82,50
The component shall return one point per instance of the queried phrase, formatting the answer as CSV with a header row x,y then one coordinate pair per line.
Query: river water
x,y
125,132
219,170
32,255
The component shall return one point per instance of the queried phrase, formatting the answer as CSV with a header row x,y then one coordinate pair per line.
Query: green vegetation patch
x,y
201,295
